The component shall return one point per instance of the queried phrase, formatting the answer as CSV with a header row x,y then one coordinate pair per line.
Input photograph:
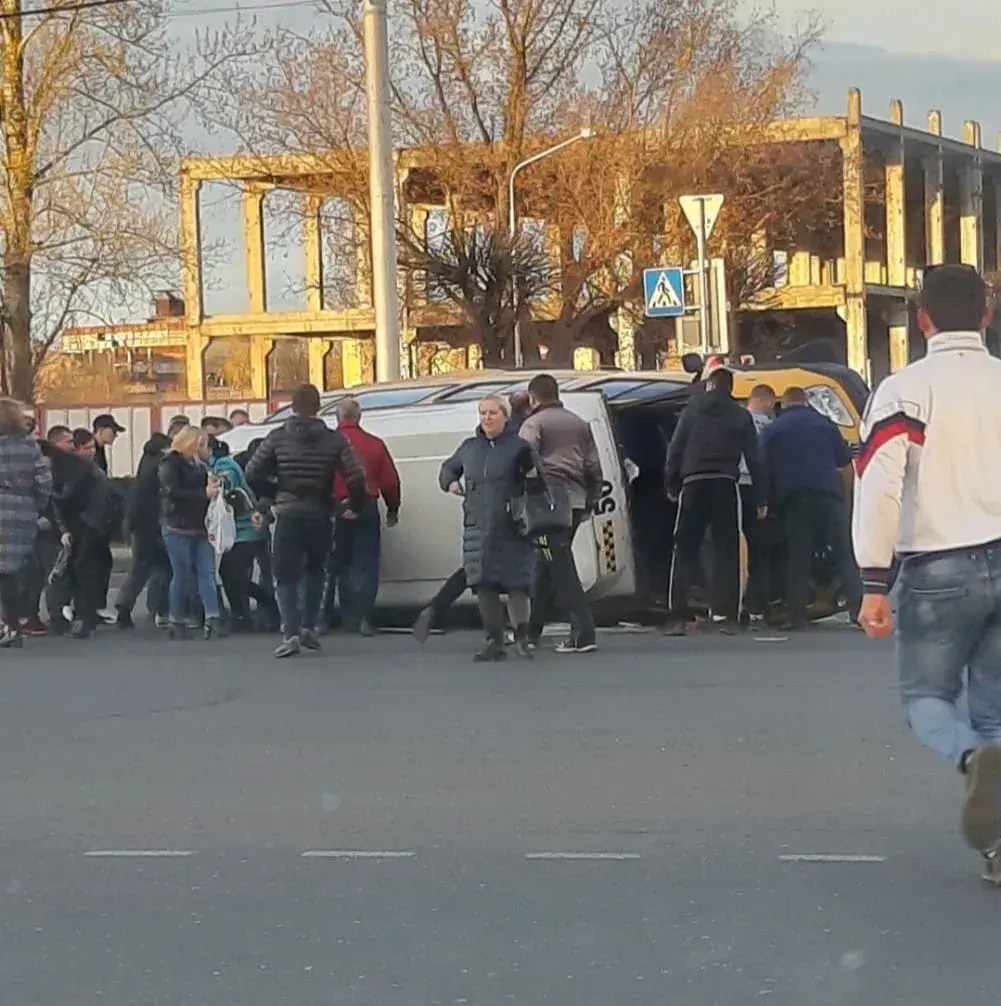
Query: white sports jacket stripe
x,y
929,464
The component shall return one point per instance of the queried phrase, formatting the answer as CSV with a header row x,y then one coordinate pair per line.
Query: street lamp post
x,y
512,221
383,228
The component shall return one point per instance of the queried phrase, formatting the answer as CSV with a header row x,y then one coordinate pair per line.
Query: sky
x,y
941,57
908,26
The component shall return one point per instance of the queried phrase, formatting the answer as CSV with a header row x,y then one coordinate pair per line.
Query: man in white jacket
x,y
929,491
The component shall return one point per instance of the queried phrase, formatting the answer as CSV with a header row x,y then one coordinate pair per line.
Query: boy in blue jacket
x,y
236,567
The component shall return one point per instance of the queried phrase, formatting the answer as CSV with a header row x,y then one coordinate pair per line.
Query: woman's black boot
x,y
493,651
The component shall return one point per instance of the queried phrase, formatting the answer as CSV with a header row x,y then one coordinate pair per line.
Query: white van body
x,y
426,547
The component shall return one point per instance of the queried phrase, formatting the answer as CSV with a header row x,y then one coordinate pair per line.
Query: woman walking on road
x,y
185,492
489,471
25,487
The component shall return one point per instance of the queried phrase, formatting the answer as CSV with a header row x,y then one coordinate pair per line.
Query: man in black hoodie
x,y
701,474
150,564
302,455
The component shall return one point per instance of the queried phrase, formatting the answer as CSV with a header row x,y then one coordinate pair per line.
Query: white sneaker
x,y
68,612
108,615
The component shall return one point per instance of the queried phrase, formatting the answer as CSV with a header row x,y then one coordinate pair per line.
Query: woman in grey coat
x,y
489,471
25,487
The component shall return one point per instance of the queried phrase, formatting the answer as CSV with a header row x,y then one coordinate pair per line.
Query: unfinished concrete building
x,y
939,200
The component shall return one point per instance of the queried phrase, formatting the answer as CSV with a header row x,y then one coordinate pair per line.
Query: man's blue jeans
x,y
948,633
300,550
354,564
192,565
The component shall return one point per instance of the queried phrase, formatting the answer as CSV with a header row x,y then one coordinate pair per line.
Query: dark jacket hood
x,y
714,403
156,444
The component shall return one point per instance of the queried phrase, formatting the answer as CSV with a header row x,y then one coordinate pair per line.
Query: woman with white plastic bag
x,y
185,494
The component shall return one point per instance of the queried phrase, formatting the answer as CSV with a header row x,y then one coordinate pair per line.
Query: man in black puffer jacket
x,y
701,474
302,456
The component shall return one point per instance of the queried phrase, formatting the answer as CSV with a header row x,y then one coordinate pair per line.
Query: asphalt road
x,y
685,770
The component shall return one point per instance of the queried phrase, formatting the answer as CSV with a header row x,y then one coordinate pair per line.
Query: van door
x,y
603,547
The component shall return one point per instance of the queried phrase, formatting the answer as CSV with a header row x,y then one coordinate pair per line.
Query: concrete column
x,y
899,338
260,350
934,199
353,362
253,248
313,252
363,258
191,249
896,206
854,314
318,348
194,365
971,202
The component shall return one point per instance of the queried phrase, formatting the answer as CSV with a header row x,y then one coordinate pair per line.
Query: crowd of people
x,y
286,536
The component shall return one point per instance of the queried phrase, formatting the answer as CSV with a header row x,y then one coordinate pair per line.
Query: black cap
x,y
107,421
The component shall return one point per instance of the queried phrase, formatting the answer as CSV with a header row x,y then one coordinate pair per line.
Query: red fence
x,y
140,421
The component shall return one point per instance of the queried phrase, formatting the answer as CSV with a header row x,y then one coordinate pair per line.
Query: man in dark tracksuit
x,y
703,466
806,457
303,455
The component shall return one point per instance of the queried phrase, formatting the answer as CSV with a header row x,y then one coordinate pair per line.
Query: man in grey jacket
x,y
569,460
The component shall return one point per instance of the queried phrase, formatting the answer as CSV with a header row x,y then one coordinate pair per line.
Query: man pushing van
x,y
701,474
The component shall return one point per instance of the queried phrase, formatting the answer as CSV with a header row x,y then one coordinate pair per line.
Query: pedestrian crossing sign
x,y
664,292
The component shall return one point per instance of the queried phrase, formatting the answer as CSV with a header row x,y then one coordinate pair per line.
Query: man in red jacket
x,y
353,576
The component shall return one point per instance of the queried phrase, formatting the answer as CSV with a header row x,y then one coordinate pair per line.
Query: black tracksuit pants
x,y
707,504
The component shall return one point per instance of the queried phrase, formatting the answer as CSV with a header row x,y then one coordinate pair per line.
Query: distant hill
x,y
962,88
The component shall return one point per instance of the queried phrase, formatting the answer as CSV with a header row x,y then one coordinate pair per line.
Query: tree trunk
x,y
19,367
561,348
19,364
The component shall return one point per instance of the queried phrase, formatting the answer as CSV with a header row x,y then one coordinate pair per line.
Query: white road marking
x,y
139,853
770,639
581,855
822,858
356,854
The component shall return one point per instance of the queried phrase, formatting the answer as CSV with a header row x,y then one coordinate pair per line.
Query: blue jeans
x,y
949,634
300,550
192,567
354,564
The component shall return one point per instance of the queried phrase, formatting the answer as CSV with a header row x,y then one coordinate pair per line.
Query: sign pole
x,y
700,243
702,212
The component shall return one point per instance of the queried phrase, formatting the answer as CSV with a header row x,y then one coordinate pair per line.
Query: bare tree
x,y
677,94
91,101
479,273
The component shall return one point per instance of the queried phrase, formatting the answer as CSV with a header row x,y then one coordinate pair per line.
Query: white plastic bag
x,y
221,525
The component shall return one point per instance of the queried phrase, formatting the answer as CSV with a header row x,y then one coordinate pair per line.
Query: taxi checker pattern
x,y
608,545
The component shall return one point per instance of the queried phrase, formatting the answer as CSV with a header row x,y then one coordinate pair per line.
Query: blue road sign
x,y
664,292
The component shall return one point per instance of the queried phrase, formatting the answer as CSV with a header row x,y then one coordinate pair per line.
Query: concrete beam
x,y
254,258
971,203
291,323
191,249
797,298
896,206
854,312
934,173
